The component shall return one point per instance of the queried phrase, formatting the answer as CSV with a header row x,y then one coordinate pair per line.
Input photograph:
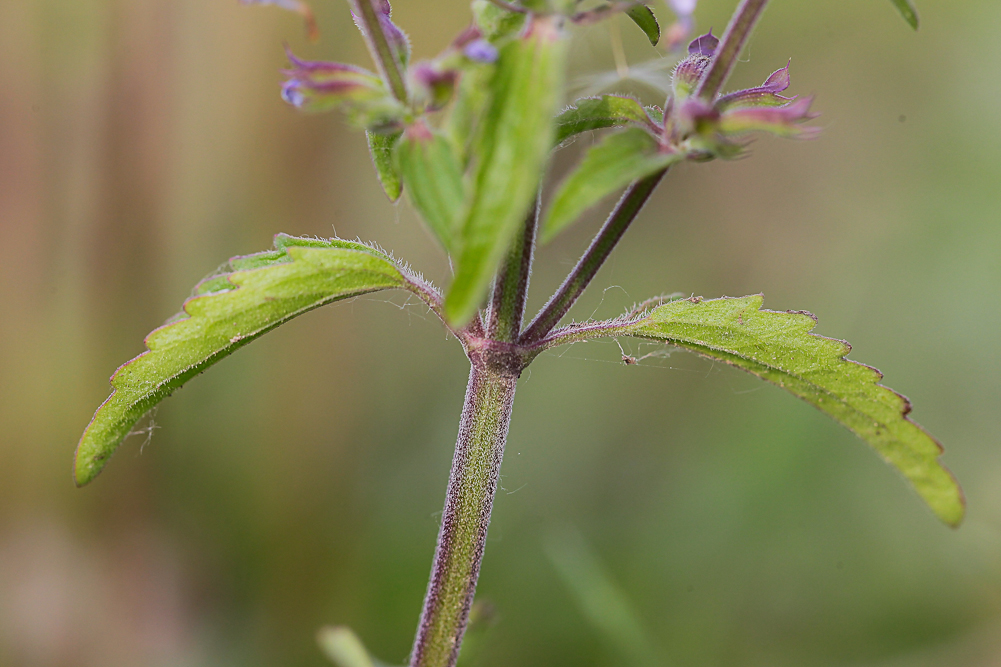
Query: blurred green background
x,y
142,142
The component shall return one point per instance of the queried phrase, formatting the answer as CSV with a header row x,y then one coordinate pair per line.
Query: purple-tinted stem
x,y
507,305
601,247
730,46
479,450
380,48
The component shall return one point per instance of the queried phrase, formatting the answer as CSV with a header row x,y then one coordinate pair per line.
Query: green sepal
x,y
596,113
644,17
264,291
617,160
778,347
380,146
432,171
514,138
908,11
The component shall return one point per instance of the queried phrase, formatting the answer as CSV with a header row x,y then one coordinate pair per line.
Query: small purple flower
x,y
690,70
435,85
315,85
481,51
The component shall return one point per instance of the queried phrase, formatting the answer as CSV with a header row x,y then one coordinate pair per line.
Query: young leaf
x,y
596,113
514,139
644,17
779,347
616,161
433,174
381,147
228,311
907,10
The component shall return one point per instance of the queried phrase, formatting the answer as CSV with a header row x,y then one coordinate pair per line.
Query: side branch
x,y
731,44
625,212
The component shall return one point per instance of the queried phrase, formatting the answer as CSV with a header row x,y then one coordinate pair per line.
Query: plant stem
x,y
380,48
479,450
601,247
730,46
507,307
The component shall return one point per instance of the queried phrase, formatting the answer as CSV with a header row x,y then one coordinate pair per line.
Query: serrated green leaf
x,y
907,10
433,173
644,17
514,140
380,146
614,162
596,113
263,292
779,347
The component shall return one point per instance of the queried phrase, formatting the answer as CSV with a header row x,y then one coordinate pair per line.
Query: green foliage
x,y
513,142
644,17
602,602
613,163
596,113
380,145
907,10
779,347
433,173
259,293
342,646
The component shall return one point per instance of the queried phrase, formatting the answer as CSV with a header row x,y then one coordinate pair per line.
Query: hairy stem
x,y
507,306
479,450
730,46
380,48
601,247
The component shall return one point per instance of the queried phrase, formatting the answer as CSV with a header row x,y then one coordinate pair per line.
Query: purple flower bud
x,y
481,51
765,95
320,86
397,39
435,85
704,45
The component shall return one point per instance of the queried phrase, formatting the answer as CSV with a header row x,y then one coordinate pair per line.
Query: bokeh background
x,y
715,520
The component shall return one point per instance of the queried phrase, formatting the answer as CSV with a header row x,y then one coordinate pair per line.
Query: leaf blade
x,y
380,147
433,173
514,140
778,347
266,290
613,163
908,11
644,17
596,113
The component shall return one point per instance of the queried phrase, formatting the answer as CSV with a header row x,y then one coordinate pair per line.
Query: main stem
x,y
479,450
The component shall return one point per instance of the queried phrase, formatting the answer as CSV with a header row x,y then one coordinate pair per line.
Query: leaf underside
x,y
617,160
644,17
778,347
596,113
255,294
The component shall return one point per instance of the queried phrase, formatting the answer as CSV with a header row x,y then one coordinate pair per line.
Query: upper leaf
x,y
433,174
644,17
779,347
514,139
227,311
907,10
596,113
613,163
380,146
